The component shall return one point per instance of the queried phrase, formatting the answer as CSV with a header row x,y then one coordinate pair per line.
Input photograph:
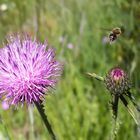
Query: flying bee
x,y
114,34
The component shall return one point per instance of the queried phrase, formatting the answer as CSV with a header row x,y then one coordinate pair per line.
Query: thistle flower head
x,y
27,70
117,81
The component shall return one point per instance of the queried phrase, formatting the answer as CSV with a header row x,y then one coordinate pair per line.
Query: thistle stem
x,y
96,76
41,110
114,103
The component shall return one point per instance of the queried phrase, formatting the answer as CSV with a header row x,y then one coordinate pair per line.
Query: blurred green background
x,y
79,107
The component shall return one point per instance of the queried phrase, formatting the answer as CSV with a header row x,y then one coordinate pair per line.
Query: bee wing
x,y
105,40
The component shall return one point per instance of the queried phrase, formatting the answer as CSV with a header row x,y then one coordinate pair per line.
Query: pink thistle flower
x,y
117,81
27,70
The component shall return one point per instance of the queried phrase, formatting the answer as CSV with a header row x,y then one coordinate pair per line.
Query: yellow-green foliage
x,y
78,109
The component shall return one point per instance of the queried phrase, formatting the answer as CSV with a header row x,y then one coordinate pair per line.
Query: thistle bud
x,y
117,81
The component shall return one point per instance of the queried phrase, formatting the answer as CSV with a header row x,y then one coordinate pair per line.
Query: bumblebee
x,y
114,34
